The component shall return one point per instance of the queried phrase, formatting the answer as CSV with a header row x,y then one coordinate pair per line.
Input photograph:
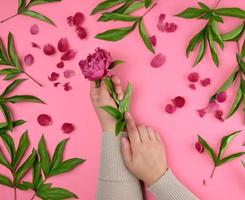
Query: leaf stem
x,y
15,194
149,10
34,195
9,18
32,78
217,4
212,174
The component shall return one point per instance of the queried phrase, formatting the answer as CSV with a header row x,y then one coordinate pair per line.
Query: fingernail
x,y
127,115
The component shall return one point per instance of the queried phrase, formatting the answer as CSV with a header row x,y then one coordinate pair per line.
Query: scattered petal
x,y
44,120
179,101
81,32
67,86
204,182
56,84
33,44
193,77
49,49
34,29
70,54
67,128
170,27
221,97
70,20
170,108
78,19
213,106
54,76
28,60
219,115
199,147
158,60
60,64
153,40
192,86
202,112
69,73
63,45
160,24
205,82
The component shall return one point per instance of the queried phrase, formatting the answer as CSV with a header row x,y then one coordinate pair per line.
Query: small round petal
x,y
49,49
199,147
60,65
221,97
78,19
192,86
158,60
219,115
193,77
69,20
63,45
67,128
69,73
213,106
44,120
70,54
170,108
28,60
54,76
81,32
56,84
202,112
153,40
179,101
67,87
35,45
34,29
205,82
160,24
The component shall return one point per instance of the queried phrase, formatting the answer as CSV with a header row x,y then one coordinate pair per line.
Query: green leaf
x,y
231,12
36,172
9,71
133,7
22,147
38,2
194,41
7,115
115,34
25,185
44,156
203,6
21,5
118,16
235,34
112,111
201,52
217,18
216,35
119,126
43,187
57,193
236,103
225,142
9,144
12,53
4,126
24,98
147,3
4,161
212,47
109,85
125,103
115,63
23,169
230,157
226,84
240,62
145,37
5,181
66,166
11,76
243,50
12,86
37,15
209,150
3,54
58,153
105,5
190,13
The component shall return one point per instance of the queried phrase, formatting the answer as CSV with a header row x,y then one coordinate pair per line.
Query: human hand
x,y
100,96
143,152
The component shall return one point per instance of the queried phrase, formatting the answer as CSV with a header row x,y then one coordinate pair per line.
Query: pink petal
x,y
202,112
56,84
153,40
170,108
221,97
170,27
160,24
28,59
193,77
219,115
70,54
33,44
70,20
205,82
192,86
60,64
49,49
78,19
179,101
44,120
34,29
199,147
69,73
54,76
67,128
158,60
63,45
81,32
213,106
67,86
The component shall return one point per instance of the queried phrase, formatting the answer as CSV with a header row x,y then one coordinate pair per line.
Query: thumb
x,y
126,151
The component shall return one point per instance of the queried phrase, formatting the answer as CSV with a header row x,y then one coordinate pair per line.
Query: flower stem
x,y
217,4
32,78
34,195
149,10
15,194
212,174
9,18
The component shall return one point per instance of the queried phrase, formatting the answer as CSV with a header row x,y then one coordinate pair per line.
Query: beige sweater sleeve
x,y
115,182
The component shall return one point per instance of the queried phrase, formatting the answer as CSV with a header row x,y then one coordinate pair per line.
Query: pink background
x,y
153,89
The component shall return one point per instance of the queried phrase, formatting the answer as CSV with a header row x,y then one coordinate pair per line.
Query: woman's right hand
x,y
143,152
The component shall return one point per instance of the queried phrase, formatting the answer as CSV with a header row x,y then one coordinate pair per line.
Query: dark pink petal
x,y
213,106
67,86
153,40
34,29
158,60
179,101
56,84
204,182
29,59
205,82
54,76
33,44
69,73
160,24
49,49
60,64
219,115
63,45
44,120
170,108
193,77
202,112
78,19
170,27
81,32
199,147
192,86
221,97
67,128
70,20
70,54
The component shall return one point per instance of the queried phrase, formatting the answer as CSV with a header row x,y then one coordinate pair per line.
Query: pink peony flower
x,y
96,65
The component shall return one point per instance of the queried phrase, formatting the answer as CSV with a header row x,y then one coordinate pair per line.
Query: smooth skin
x,y
143,150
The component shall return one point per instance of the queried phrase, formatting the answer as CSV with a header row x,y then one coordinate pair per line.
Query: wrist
x,y
154,177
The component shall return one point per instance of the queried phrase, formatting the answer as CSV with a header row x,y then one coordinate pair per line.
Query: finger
x,y
126,151
103,88
116,80
118,87
93,89
143,133
158,137
132,130
151,134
